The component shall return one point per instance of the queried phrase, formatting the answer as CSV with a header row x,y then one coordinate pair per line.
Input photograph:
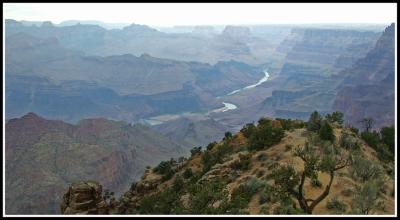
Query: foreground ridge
x,y
279,166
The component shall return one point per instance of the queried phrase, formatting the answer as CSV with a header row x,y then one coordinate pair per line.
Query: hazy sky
x,y
159,14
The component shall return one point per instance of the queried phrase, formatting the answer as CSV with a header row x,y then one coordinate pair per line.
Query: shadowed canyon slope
x,y
43,156
368,87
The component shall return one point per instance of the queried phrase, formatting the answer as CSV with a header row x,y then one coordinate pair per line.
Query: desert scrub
x,y
165,169
273,166
243,163
348,142
364,169
316,183
347,192
336,206
247,190
187,173
288,147
262,157
267,194
263,198
260,173
264,210
265,135
367,198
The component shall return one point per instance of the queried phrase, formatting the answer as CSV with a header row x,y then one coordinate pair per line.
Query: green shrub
x,y
384,153
371,138
335,117
248,130
354,130
243,163
314,122
260,173
227,136
209,158
211,145
348,142
247,190
187,173
287,210
326,132
264,198
388,137
365,169
204,196
267,194
133,186
264,210
265,136
347,192
165,169
195,150
288,147
336,206
178,184
181,159
367,199
316,183
166,202
289,124
253,185
262,157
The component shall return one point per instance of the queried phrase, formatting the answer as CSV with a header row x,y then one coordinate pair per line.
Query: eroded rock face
x,y
368,87
112,153
84,198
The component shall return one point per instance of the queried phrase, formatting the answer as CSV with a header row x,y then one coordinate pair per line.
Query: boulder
x,y
84,198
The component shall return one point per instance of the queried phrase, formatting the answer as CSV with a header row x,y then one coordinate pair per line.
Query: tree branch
x,y
324,194
338,166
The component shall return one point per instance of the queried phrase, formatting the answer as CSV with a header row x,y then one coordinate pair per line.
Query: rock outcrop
x,y
84,198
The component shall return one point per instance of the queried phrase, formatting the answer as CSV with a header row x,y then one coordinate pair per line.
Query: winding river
x,y
230,106
227,106
264,79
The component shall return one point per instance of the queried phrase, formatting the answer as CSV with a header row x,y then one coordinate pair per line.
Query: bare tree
x,y
367,123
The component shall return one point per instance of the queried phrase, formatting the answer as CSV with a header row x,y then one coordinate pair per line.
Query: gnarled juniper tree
x,y
289,183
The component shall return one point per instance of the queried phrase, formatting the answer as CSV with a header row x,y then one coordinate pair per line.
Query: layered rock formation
x,y
84,198
368,87
122,87
315,69
193,131
43,156
138,39
327,49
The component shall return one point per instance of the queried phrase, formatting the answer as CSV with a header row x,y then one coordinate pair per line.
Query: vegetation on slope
x,y
279,166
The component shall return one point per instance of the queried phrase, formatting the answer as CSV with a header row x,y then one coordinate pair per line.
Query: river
x,y
230,106
227,106
264,79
